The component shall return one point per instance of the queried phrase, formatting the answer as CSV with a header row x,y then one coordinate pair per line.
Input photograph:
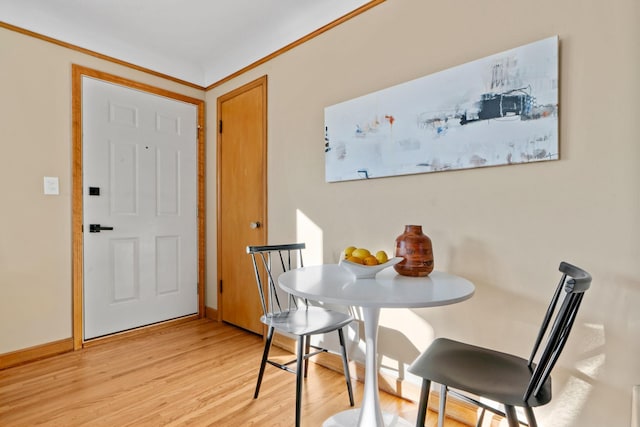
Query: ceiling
x,y
198,41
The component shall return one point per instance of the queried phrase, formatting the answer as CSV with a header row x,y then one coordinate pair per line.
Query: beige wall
x,y
35,230
505,228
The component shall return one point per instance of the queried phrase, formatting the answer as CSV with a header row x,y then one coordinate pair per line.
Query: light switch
x,y
51,185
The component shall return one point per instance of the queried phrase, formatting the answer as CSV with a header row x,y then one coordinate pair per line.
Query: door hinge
x,y
220,126
220,286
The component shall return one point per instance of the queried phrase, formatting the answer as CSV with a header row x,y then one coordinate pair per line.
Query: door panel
x,y
125,285
123,168
242,200
140,178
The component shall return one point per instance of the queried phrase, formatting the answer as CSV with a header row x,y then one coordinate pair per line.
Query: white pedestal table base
x,y
370,414
350,417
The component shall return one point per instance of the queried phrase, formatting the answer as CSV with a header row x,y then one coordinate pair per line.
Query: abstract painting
x,y
498,110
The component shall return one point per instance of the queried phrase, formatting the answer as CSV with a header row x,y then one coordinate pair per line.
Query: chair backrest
x,y
573,284
267,262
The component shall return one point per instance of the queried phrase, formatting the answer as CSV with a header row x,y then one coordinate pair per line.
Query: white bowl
x,y
367,271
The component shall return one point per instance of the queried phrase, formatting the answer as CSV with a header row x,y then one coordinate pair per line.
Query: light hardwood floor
x,y
199,373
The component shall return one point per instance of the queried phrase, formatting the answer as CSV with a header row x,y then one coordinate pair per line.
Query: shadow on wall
x,y
399,351
604,350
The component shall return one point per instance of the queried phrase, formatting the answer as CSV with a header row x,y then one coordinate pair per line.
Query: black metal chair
x,y
297,318
500,377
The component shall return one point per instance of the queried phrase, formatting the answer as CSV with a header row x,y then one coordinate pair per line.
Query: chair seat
x,y
492,374
307,321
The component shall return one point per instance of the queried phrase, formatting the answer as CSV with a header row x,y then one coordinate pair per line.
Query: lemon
x,y
370,260
355,259
348,251
382,257
361,253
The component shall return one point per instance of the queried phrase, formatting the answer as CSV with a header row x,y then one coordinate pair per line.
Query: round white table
x,y
331,283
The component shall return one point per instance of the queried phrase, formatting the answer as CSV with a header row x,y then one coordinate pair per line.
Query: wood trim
x,y
123,81
259,82
77,204
298,42
243,70
211,313
202,211
77,246
37,352
97,55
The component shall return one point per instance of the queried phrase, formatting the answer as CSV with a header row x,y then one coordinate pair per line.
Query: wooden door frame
x,y
77,190
260,82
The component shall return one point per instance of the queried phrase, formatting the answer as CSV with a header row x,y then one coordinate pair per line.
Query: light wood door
x,y
140,208
242,148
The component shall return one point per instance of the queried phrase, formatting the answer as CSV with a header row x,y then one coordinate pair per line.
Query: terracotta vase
x,y
415,247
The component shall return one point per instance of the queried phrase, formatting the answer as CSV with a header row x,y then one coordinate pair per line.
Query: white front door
x,y
139,208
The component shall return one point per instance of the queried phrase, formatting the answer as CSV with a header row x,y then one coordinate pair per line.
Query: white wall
x,y
505,228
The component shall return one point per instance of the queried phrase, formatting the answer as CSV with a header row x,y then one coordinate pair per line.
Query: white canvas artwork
x,y
498,110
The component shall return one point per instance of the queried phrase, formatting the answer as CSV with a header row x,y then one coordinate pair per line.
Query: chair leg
x,y
512,416
307,348
481,418
531,418
345,365
424,401
442,406
299,375
265,356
